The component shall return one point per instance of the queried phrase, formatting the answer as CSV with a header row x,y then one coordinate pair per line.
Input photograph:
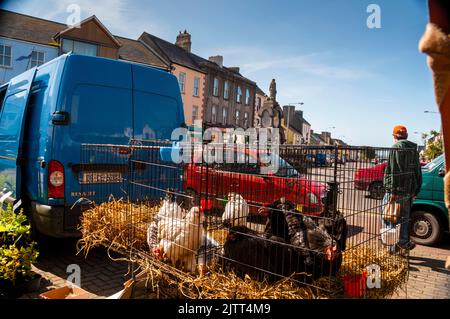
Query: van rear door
x,y
11,134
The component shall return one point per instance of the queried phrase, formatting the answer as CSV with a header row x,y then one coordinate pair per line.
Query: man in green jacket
x,y
402,182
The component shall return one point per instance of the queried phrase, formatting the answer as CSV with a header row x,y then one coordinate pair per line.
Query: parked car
x,y
321,159
48,112
429,218
371,180
259,189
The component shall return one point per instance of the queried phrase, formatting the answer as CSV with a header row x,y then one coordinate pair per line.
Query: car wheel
x,y
425,228
376,190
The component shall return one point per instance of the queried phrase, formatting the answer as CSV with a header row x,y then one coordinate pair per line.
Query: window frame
x,y
196,89
73,46
2,64
214,114
194,107
246,118
225,116
237,116
247,96
37,61
215,87
239,94
226,90
182,84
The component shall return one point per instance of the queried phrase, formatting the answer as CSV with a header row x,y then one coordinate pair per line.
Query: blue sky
x,y
361,81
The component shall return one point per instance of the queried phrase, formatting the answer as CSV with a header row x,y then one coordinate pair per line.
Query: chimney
x,y
326,136
299,113
289,114
235,69
217,59
184,41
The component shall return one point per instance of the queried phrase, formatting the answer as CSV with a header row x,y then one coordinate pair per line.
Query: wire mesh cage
x,y
311,216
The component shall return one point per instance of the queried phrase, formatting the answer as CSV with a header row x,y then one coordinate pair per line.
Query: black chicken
x,y
271,258
292,243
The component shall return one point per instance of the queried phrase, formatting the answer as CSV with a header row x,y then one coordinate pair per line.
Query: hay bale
x,y
122,226
393,268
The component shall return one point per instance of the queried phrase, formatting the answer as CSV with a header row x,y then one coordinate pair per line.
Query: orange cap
x,y
400,130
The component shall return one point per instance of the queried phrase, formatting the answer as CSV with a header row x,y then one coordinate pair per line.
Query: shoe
x,y
408,246
394,250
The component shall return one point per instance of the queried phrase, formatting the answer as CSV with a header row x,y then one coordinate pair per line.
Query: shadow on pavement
x,y
99,274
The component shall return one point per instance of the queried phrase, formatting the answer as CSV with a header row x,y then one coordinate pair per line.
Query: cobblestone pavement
x,y
428,278
103,277
99,274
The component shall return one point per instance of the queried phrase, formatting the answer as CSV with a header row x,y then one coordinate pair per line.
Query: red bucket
x,y
355,285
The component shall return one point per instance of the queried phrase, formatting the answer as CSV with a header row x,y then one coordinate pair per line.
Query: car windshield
x,y
434,163
285,169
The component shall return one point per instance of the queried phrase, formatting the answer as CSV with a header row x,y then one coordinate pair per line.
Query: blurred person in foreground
x,y
435,43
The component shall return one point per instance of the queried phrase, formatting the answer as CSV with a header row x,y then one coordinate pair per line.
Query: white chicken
x,y
182,245
169,216
236,211
166,222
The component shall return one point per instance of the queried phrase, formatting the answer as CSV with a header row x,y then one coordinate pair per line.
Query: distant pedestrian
x,y
402,182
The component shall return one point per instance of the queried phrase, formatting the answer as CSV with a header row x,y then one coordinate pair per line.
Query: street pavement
x,y
428,279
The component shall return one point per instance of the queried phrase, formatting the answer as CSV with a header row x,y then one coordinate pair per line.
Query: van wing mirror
x,y
60,118
442,172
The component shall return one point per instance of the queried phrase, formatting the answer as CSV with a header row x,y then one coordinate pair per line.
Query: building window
x,y
5,55
225,116
247,96
196,85
238,115
226,90
238,94
216,87
79,47
194,113
245,120
259,103
37,58
181,81
214,114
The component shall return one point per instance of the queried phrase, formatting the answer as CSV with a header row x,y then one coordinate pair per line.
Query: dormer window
x,y
78,47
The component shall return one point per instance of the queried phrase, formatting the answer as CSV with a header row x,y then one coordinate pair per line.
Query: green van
x,y
429,218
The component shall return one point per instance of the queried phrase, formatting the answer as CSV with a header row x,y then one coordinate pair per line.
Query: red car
x,y
259,190
371,180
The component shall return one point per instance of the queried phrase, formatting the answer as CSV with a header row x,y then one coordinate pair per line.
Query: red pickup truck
x,y
258,189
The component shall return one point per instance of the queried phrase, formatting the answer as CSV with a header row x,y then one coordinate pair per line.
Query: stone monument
x,y
271,113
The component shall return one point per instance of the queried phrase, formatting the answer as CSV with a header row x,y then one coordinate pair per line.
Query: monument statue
x,y
271,113
273,90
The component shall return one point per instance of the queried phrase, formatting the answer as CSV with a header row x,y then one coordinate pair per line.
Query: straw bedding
x,y
122,227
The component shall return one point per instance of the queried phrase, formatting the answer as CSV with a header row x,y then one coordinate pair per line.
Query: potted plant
x,y
17,254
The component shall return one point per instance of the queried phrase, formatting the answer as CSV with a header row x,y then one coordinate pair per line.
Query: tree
x,y
434,149
435,146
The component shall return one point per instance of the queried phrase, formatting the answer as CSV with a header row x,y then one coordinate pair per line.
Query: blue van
x,y
48,113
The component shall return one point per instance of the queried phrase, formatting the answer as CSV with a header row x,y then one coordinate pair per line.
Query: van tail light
x,y
55,181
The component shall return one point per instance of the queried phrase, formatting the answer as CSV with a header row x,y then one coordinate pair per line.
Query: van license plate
x,y
100,178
